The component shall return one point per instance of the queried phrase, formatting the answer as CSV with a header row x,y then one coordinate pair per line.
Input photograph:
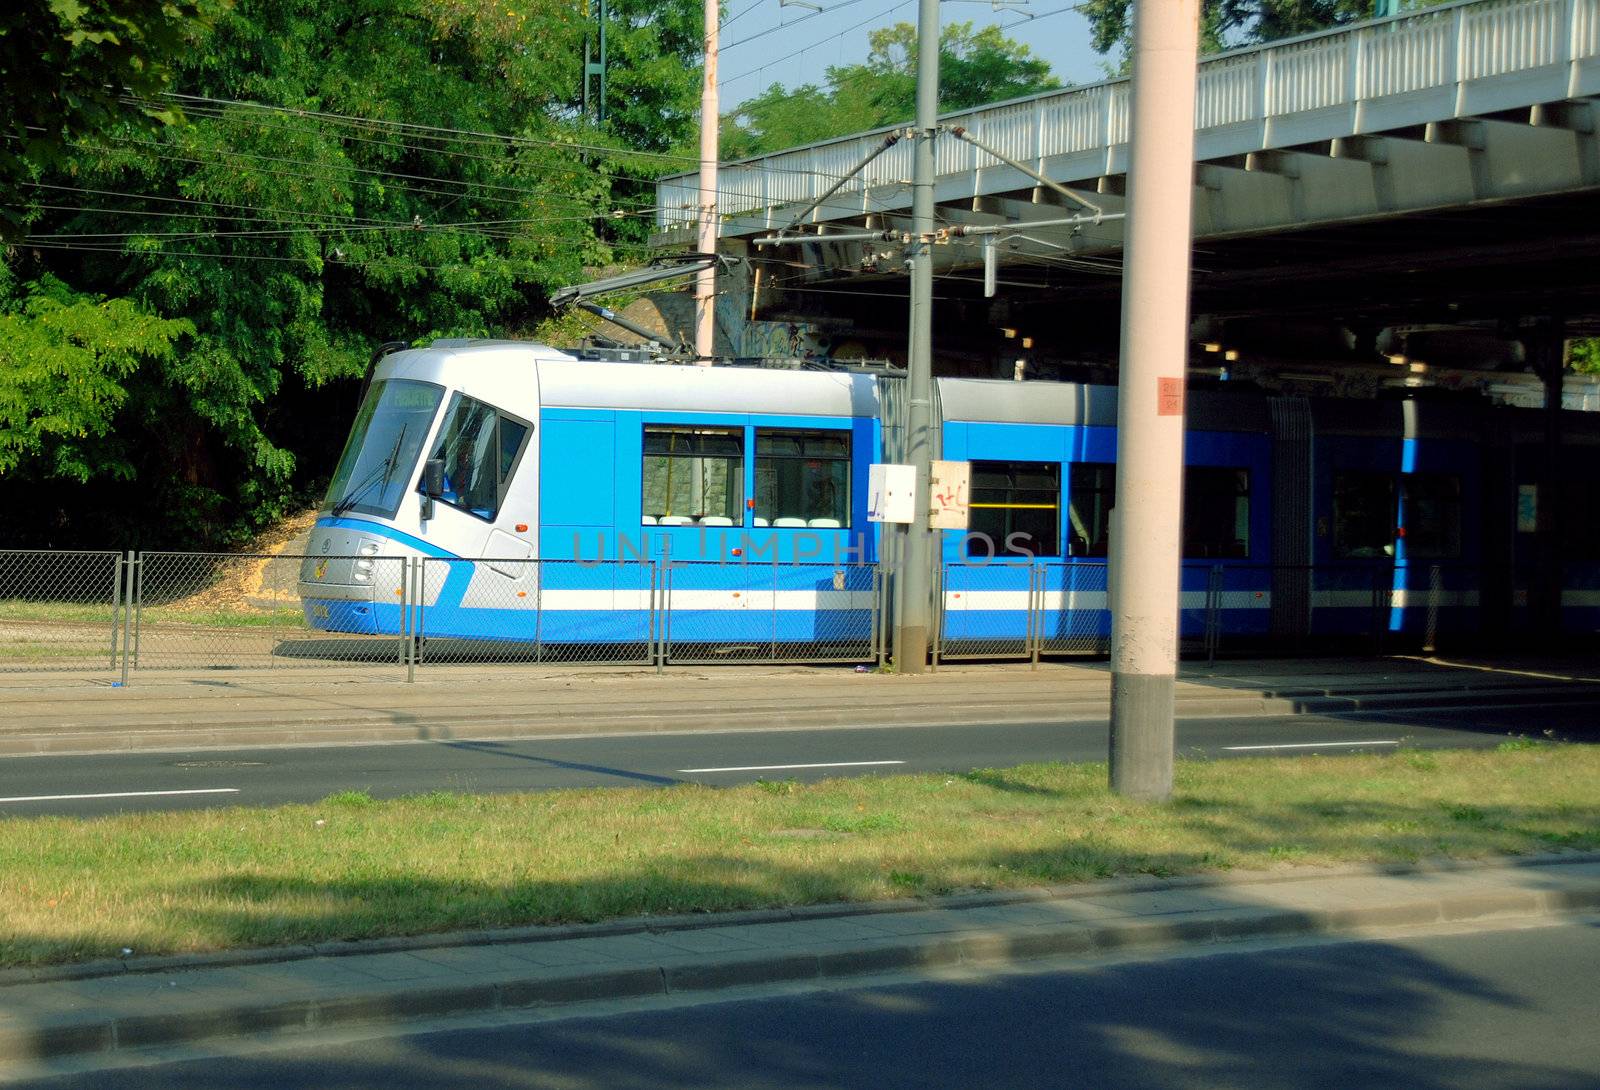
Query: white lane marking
x,y
1322,745
124,794
780,768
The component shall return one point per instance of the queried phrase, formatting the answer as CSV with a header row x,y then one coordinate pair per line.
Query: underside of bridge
x,y
1452,254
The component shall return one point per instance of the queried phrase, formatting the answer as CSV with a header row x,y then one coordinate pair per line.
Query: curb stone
x,y
515,984
654,925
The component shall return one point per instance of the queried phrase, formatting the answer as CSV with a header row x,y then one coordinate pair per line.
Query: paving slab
x,y
290,706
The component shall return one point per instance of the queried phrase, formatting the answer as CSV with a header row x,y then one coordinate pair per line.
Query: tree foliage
x,y
1584,356
975,68
346,174
65,360
1227,24
68,68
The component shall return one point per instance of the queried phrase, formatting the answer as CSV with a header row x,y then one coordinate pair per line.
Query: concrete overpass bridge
x,y
1422,189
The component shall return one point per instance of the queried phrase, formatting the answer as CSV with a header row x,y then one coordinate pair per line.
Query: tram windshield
x,y
382,450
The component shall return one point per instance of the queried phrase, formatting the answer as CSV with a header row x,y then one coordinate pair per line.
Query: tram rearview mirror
x,y
433,477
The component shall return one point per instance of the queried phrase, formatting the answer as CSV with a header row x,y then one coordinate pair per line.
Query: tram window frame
x,y
1425,538
810,453
505,457
1091,494
1205,490
696,444
996,509
1367,516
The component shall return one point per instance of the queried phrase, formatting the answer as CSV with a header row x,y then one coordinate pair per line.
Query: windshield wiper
x,y
377,475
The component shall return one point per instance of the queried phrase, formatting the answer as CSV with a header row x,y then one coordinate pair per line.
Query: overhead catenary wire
x,y
896,6
402,179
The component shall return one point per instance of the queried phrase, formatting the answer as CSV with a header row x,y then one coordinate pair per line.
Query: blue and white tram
x,y
1301,518
570,462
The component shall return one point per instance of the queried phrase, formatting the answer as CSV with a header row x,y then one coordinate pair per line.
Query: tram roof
x,y
572,383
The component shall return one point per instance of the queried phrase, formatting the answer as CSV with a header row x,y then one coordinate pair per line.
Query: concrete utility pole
x,y
705,286
1146,547
912,605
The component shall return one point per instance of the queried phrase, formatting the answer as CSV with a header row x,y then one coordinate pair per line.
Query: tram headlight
x,y
364,563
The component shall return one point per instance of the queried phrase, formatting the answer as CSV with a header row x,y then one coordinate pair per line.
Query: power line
x,y
822,41
789,25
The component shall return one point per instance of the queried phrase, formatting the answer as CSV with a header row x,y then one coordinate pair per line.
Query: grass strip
x,y
57,612
351,867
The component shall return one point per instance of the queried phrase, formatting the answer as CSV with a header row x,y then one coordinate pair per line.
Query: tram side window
x,y
1363,515
1431,503
693,473
802,477
1216,512
1092,493
1579,522
1015,509
479,447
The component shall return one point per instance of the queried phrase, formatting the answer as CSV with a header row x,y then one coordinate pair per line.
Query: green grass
x,y
352,867
91,613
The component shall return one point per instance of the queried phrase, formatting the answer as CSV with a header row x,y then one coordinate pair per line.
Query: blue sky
x,y
764,43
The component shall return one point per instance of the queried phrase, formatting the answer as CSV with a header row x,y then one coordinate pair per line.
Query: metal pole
x,y
705,285
127,618
116,607
1155,343
911,614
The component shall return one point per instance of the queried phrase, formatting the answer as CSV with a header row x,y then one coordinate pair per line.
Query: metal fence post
x,y
938,616
127,616
1035,613
408,643
1379,599
116,609
419,639
772,629
138,603
1213,613
666,611
654,611
1435,593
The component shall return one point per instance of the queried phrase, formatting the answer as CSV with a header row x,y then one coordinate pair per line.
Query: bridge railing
x,y
1435,64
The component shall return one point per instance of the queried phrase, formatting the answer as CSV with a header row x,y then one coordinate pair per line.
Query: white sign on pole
x,y
891,493
949,492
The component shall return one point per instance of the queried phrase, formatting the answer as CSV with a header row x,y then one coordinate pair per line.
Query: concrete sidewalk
x,y
48,713
101,1009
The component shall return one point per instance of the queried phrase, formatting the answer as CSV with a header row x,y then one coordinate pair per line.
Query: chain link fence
x,y
1023,611
986,611
536,611
60,610
253,611
105,613
771,612
1074,603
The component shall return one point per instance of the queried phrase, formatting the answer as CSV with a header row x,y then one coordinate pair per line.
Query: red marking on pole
x,y
1169,397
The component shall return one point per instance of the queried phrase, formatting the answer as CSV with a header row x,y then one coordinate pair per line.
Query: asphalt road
x,y
1487,1010
111,783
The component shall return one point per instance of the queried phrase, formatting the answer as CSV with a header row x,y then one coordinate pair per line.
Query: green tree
x,y
369,203
1225,24
68,67
65,361
975,68
1584,356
